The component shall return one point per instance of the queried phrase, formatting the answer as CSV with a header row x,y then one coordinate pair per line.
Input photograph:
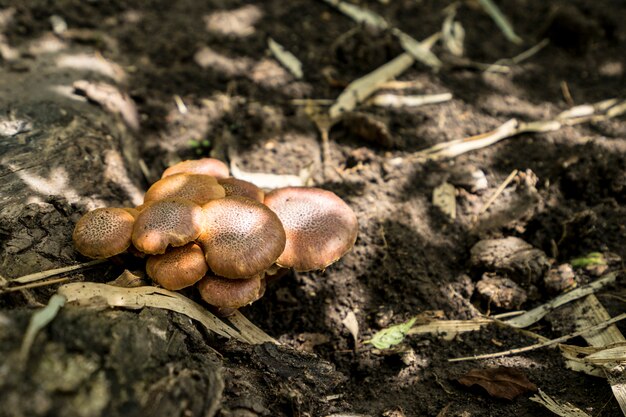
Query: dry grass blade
x,y
52,272
589,311
502,22
543,344
286,58
396,101
90,293
460,146
536,314
452,32
249,330
360,89
563,410
38,321
419,50
268,181
359,14
450,327
529,53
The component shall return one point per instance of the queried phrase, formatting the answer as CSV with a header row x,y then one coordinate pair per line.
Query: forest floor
x,y
204,83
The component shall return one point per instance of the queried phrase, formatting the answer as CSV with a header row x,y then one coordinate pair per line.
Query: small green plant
x,y
591,259
392,335
201,146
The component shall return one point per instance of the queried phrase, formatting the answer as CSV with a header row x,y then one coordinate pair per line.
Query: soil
x,y
410,258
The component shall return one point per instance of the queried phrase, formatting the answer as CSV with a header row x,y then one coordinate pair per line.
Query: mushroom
x,y
204,166
242,237
178,267
198,188
104,232
229,294
320,226
234,186
173,221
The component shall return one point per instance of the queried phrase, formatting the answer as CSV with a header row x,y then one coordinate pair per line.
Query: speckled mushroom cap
x,y
241,237
198,188
230,293
178,267
234,186
320,226
204,166
103,232
174,222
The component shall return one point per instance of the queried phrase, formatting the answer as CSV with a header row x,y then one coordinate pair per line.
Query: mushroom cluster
x,y
198,226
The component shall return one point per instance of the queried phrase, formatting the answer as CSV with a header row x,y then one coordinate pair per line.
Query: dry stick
x,y
34,285
544,344
498,191
52,272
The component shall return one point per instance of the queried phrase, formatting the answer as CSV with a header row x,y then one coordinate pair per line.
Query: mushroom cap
x,y
198,188
242,237
230,293
234,186
178,267
320,226
204,166
173,221
103,232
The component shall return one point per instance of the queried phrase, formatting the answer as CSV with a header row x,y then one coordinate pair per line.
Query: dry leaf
x,y
501,382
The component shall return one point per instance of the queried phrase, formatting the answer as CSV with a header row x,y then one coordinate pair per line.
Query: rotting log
x,y
62,154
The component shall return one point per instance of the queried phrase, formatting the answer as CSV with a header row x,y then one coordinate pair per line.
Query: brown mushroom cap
x,y
230,293
174,221
198,188
204,166
242,237
320,226
234,186
178,267
103,232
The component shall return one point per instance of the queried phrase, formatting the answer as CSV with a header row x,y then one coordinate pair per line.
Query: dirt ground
x,y
410,258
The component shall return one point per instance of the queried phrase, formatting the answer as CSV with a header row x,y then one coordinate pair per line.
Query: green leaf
x,y
391,336
593,258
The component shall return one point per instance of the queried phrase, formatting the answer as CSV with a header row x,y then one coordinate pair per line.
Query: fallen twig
x,y
543,344
600,111
52,272
498,191
34,285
